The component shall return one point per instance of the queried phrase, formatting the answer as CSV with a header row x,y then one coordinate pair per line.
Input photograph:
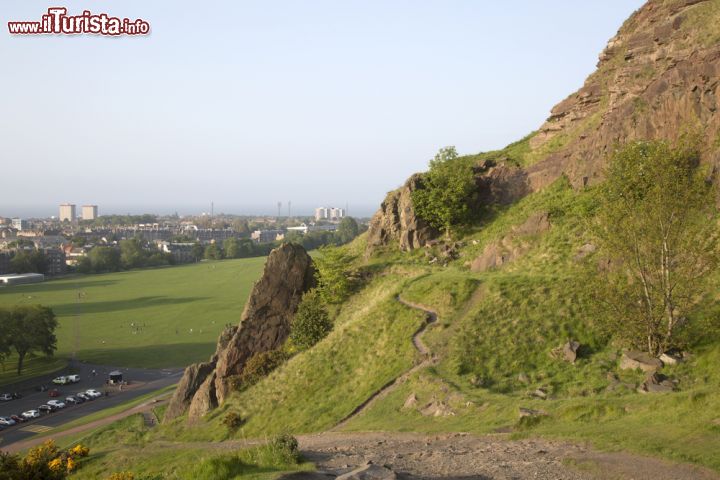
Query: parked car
x,y
60,380
93,393
54,393
73,378
56,403
30,414
46,409
73,400
7,421
6,397
18,418
84,396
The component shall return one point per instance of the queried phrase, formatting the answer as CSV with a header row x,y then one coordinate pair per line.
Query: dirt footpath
x,y
459,456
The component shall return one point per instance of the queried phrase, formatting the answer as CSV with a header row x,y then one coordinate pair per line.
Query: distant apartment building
x,y
89,212
73,255
55,261
267,236
19,224
67,212
329,213
181,252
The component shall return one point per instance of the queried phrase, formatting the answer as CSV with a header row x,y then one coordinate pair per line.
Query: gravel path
x,y
461,456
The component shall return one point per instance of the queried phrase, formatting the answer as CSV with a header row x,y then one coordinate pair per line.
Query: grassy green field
x,y
165,317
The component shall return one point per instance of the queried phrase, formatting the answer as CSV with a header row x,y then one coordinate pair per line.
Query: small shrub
x,y
233,421
259,366
286,448
311,323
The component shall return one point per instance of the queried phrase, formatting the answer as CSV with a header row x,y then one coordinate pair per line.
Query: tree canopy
x,y
27,329
657,226
311,322
447,192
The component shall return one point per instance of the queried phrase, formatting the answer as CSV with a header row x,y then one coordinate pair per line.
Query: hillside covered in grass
x,y
512,283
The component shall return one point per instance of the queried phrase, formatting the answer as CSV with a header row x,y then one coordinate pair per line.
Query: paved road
x,y
141,381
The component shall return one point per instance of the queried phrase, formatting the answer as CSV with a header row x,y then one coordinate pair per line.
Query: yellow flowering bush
x,y
79,451
56,464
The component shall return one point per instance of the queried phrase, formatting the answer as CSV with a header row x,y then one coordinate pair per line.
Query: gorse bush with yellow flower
x,y
45,461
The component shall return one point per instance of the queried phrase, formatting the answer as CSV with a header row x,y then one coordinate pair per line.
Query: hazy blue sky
x,y
249,103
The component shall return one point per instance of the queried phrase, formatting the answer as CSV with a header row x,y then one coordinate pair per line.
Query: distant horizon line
x,y
44,211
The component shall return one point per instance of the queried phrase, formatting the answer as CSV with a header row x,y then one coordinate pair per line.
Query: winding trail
x,y
428,359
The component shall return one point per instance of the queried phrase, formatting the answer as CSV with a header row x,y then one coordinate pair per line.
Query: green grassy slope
x,y
165,304
508,327
371,345
493,327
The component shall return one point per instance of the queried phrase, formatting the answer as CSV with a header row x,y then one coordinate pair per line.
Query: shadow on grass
x,y
55,286
117,305
150,356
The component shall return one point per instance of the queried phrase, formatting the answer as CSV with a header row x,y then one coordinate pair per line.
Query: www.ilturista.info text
x,y
57,21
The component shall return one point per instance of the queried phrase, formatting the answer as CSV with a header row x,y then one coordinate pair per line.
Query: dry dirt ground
x,y
460,456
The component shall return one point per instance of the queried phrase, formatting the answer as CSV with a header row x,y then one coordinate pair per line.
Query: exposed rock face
x,y
396,221
264,326
511,247
658,78
501,184
193,377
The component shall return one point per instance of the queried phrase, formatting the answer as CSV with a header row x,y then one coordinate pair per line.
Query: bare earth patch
x,y
460,456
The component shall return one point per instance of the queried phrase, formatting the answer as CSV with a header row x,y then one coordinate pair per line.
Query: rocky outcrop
x,y
513,245
264,326
500,183
633,360
658,78
190,382
397,223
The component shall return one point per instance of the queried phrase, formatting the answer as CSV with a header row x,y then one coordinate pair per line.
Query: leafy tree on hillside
x,y
30,328
311,322
657,224
334,284
448,191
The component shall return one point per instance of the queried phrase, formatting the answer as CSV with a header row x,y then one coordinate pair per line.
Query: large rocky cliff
x,y
656,79
264,326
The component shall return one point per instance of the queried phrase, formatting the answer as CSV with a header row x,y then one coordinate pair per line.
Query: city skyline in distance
x,y
300,209
321,102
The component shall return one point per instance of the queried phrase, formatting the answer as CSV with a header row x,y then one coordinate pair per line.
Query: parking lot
x,y
139,382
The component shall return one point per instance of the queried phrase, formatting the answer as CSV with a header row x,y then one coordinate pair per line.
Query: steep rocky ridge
x,y
264,326
657,79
